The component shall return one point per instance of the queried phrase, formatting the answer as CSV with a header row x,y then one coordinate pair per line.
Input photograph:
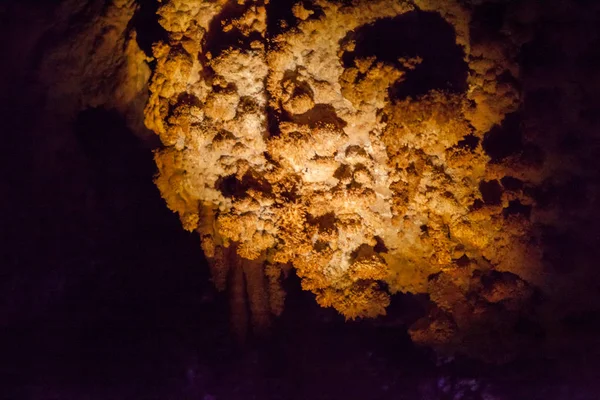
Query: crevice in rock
x,y
511,183
414,34
504,140
469,142
230,186
145,23
491,191
320,114
325,222
281,18
515,207
380,247
217,40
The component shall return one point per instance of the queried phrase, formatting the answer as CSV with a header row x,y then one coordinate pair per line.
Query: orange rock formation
x,y
297,143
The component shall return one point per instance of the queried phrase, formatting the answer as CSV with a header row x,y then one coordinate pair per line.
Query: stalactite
x,y
258,297
237,296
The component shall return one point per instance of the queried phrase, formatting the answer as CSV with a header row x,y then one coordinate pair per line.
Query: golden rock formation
x,y
296,143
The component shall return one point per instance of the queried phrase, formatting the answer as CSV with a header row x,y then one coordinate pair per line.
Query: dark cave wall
x,y
90,303
52,198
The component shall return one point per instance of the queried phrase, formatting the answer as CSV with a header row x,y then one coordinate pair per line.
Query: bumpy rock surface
x,y
354,142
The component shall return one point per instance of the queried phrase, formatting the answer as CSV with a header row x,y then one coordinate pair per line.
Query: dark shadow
x,y
380,247
491,191
145,23
487,20
515,207
110,146
325,222
469,142
416,33
511,183
319,115
280,17
133,300
505,139
561,250
540,53
231,187
273,120
216,40
463,261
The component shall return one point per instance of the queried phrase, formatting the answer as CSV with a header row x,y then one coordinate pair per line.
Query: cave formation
x,y
372,148
348,142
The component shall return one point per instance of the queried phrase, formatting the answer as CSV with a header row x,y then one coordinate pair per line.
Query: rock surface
x,y
354,142
374,148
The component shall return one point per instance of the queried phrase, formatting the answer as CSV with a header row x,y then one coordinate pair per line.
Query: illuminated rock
x,y
346,143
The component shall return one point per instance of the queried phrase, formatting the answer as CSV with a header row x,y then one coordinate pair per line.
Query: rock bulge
x,y
302,143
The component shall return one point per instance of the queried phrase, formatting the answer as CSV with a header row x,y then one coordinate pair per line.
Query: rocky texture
x,y
374,148
375,172
357,143
102,296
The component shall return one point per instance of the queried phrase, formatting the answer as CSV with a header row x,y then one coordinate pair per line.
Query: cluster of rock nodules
x,y
282,155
